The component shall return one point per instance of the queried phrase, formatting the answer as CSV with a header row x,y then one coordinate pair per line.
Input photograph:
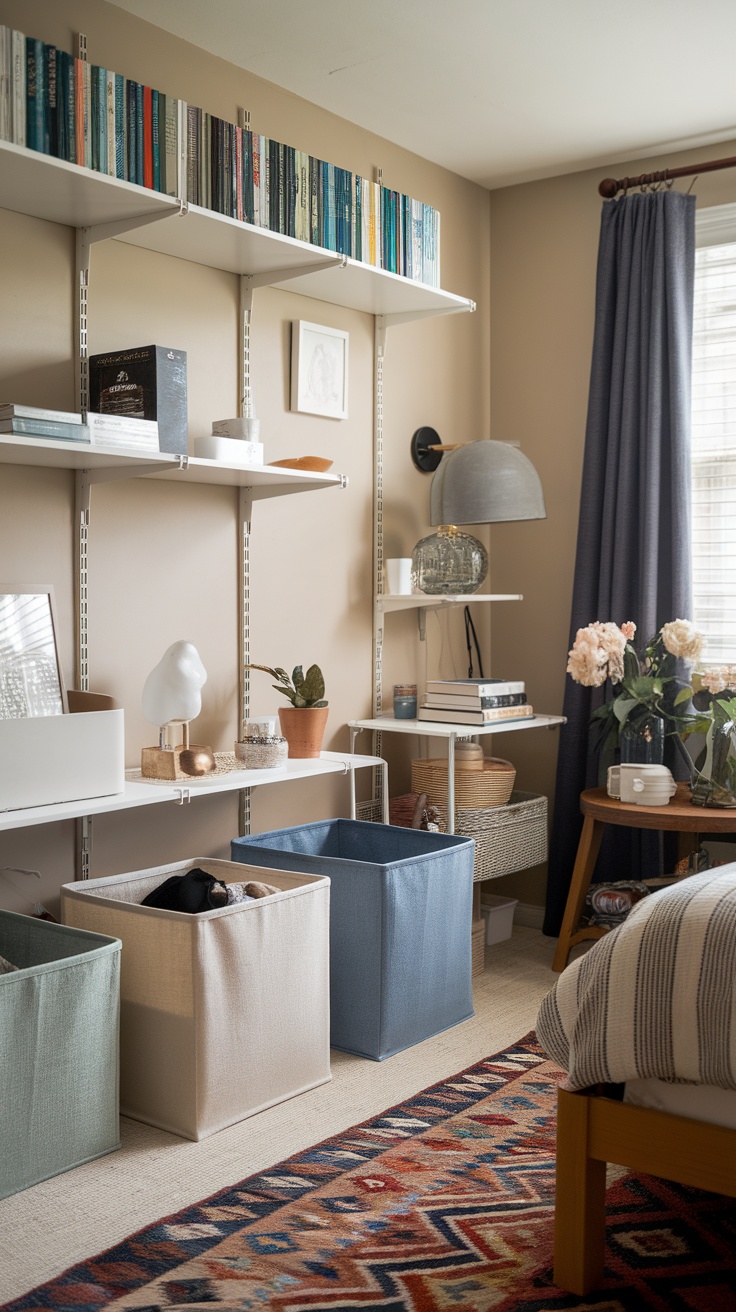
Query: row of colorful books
x,y
52,102
475,701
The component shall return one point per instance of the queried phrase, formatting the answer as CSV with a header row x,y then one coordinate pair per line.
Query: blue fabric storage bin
x,y
400,918
58,1049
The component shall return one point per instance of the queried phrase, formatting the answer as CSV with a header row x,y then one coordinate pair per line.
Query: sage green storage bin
x,y
58,1049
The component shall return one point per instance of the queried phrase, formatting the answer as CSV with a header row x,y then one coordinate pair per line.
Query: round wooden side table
x,y
599,810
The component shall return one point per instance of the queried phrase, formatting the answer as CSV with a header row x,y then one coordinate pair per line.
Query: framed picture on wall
x,y
319,370
31,682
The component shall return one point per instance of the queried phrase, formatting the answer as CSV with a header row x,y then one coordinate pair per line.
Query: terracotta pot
x,y
303,728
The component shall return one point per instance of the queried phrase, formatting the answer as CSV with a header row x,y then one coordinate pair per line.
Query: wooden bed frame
x,y
593,1129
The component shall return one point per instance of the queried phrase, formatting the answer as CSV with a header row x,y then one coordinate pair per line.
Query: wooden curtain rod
x,y
609,186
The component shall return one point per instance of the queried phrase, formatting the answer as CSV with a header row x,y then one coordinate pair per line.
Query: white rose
x,y
682,639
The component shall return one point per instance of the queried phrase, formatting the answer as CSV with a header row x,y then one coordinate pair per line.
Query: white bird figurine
x,y
171,693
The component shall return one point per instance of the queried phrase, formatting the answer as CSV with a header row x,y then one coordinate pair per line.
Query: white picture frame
x,y
319,370
31,679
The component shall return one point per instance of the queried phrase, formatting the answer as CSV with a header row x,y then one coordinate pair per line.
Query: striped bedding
x,y
655,997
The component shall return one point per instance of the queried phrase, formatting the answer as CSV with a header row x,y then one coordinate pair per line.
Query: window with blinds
x,y
714,436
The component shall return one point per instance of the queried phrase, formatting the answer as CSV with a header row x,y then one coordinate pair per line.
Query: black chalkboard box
x,y
145,382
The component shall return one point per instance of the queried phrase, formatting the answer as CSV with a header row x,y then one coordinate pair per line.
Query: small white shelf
x,y
451,733
137,793
405,601
49,188
435,729
265,480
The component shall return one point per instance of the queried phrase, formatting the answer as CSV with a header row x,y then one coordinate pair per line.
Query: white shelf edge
x,y
137,793
388,602
435,729
46,452
45,187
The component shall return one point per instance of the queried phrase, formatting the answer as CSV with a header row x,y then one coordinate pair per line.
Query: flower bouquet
x,y
646,690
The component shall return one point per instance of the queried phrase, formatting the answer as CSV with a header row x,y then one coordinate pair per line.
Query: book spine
x,y
192,155
148,137
357,233
65,106
79,110
256,171
130,132
19,68
5,82
155,143
10,411
121,170
487,688
110,116
140,135
94,118
182,148
265,182
51,144
35,95
314,200
448,702
500,715
239,211
273,199
248,177
44,428
170,137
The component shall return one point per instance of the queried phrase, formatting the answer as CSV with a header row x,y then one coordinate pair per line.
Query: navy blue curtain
x,y
633,546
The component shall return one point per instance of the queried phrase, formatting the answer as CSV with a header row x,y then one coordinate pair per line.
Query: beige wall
x,y
163,558
544,242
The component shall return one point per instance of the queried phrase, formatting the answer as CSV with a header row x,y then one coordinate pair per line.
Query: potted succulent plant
x,y
302,723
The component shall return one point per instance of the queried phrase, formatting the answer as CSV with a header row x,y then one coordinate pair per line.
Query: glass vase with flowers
x,y
646,690
713,730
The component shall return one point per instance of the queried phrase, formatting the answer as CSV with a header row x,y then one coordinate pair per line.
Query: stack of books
x,y
123,431
85,114
32,421
474,701
66,426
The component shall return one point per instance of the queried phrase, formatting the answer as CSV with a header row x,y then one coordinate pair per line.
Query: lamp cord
x,y
470,631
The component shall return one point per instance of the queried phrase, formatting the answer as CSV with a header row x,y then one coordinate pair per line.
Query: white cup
x,y
398,570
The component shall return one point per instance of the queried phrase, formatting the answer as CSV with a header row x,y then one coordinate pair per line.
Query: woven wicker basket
x,y
507,838
491,786
478,947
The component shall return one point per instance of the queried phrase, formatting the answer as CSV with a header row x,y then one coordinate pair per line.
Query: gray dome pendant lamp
x,y
483,482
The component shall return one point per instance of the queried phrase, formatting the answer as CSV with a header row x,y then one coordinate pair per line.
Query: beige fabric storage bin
x,y
222,1013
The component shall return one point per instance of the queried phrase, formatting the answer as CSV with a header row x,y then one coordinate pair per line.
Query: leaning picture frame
x,y
31,680
319,370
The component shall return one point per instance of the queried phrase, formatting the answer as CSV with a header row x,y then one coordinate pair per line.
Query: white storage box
x,y
498,913
231,450
222,1013
62,758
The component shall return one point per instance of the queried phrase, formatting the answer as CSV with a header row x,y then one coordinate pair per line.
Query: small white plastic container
x,y
498,913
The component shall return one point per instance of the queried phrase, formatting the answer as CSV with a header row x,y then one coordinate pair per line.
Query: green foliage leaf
x,y
684,695
623,706
644,688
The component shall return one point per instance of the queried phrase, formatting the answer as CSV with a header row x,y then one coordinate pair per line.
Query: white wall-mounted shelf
x,y
50,188
138,793
405,601
263,480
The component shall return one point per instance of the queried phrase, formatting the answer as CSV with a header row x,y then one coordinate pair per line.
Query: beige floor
x,y
56,1224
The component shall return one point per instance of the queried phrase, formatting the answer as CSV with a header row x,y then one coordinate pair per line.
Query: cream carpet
x,y
50,1227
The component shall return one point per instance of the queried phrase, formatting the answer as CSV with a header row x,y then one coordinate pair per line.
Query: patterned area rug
x,y
442,1204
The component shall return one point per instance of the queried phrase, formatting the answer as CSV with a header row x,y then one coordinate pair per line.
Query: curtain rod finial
x,y
608,188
